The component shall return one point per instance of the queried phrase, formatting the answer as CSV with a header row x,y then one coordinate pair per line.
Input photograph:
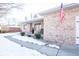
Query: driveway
x,y
12,44
9,48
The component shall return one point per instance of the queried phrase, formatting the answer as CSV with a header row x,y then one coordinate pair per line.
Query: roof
x,y
68,6
33,20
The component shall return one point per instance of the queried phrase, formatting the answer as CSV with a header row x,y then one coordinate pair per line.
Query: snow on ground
x,y
9,48
6,34
54,46
29,39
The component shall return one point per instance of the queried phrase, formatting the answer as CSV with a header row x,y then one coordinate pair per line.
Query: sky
x,y
30,6
35,1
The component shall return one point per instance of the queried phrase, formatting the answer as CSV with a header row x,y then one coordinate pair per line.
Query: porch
x,y
33,26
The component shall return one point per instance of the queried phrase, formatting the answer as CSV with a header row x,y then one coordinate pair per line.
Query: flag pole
x,y
61,13
61,20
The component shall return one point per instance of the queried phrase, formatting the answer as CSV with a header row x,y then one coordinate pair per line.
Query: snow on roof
x,y
68,6
33,20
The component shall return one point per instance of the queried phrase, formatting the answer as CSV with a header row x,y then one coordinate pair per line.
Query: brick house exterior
x,y
36,24
8,29
57,32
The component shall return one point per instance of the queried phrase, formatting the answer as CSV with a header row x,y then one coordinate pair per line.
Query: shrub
x,y
22,33
29,35
37,35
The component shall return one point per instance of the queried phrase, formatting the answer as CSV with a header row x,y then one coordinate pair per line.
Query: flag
x,y
61,13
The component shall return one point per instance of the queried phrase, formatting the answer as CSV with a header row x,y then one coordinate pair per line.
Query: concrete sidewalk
x,y
45,49
41,48
69,50
10,48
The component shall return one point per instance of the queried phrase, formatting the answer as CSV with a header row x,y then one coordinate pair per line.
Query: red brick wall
x,y
54,31
14,29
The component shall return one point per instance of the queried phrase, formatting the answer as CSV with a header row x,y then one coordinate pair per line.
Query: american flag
x,y
61,13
